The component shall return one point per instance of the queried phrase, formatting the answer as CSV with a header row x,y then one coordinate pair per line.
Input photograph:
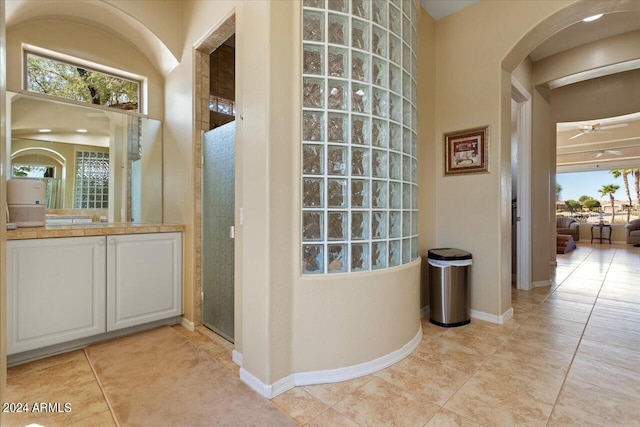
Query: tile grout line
x,y
104,394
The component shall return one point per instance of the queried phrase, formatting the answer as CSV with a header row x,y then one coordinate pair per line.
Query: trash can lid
x,y
448,254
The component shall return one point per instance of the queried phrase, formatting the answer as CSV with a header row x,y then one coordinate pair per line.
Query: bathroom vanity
x,y
70,285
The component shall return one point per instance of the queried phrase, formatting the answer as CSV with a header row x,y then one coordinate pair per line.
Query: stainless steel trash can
x,y
449,288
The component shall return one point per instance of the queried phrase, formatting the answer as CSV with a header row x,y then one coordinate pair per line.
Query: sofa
x,y
568,226
633,232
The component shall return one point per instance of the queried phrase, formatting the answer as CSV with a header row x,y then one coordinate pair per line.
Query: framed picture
x,y
466,151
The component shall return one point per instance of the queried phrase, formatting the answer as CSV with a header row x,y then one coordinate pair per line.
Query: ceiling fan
x,y
614,152
596,127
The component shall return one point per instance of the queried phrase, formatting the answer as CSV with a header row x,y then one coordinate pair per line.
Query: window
x,y
72,81
92,180
33,171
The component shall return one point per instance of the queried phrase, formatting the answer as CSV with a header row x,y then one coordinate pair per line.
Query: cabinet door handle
x,y
112,241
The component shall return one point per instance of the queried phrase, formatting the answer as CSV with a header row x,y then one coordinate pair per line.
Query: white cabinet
x,y
63,289
143,278
56,291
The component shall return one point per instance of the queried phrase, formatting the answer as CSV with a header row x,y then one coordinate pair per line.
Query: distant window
x,y
79,83
33,171
92,180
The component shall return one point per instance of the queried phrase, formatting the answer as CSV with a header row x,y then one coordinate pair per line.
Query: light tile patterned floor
x,y
569,356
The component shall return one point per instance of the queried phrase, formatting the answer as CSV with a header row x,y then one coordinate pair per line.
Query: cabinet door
x,y
144,278
56,291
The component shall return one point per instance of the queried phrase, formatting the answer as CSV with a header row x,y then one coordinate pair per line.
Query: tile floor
x,y
569,356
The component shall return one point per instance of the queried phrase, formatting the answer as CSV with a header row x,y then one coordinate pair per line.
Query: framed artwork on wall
x,y
466,151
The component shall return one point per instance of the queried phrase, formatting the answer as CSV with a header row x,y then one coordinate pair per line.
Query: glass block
x,y
312,259
378,255
318,4
395,20
359,193
414,171
379,72
338,29
379,41
414,40
360,67
406,7
398,3
360,130
414,248
395,195
379,133
406,251
395,137
313,59
406,140
406,196
379,163
379,12
395,166
395,78
339,5
359,257
337,95
336,160
379,102
414,196
360,162
406,85
406,57
414,65
360,34
395,49
312,192
336,258
313,26
414,99
313,93
360,95
337,191
394,253
338,62
379,194
360,8
359,225
406,113
414,223
312,126
414,118
337,127
312,159
337,226
395,107
406,30
406,223
414,144
312,225
378,225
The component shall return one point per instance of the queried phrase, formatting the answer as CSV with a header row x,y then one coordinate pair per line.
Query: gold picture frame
x,y
466,151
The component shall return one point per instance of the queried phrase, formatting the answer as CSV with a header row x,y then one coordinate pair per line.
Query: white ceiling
x,y
438,9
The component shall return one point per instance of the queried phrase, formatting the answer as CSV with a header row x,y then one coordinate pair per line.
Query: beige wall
x,y
427,142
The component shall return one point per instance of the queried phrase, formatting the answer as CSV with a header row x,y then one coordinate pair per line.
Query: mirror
x,y
99,164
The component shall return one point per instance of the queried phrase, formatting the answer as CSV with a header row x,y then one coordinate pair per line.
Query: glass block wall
x,y
359,141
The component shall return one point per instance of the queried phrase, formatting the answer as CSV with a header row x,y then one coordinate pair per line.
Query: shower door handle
x,y
232,232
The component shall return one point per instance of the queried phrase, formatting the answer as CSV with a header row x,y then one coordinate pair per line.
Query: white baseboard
x,y
330,375
236,356
187,324
493,318
541,283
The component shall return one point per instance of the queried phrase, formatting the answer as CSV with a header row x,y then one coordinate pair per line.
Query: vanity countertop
x,y
90,229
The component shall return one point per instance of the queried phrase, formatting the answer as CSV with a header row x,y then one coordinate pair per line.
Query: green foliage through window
x,y
69,81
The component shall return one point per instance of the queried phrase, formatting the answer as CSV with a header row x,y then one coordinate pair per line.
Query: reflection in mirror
x,y
98,164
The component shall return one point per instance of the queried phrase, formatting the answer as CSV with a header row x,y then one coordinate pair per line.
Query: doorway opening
x,y
215,189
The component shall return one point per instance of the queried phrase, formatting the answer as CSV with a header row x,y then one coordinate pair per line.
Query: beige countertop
x,y
92,229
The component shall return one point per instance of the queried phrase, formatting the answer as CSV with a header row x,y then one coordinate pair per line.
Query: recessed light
x,y
82,130
44,130
592,18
